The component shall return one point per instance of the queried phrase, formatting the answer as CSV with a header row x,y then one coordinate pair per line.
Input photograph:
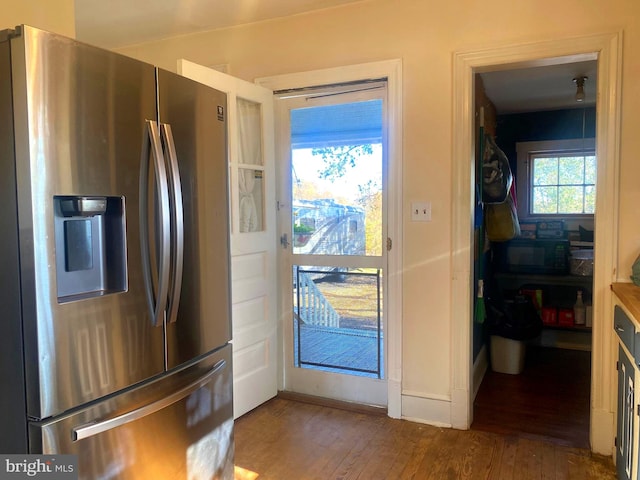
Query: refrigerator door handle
x,y
160,272
90,429
177,217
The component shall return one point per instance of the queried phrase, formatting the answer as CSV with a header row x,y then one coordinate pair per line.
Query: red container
x,y
549,315
565,317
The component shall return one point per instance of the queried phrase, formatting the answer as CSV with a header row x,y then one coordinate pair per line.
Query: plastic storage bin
x,y
507,356
581,262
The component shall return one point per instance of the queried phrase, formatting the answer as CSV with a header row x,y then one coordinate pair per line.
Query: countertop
x,y
629,295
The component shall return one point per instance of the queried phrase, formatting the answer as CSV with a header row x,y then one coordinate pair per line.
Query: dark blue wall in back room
x,y
539,126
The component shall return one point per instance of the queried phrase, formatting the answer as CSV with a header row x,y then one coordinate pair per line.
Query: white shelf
x,y
576,243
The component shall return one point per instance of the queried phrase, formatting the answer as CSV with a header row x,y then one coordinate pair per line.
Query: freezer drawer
x,y
178,427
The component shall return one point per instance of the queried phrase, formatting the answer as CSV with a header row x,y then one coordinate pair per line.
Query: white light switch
x,y
420,211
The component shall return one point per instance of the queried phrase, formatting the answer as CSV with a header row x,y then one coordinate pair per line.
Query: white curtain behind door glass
x,y
250,152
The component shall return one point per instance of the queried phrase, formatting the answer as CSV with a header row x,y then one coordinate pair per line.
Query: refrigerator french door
x,y
115,250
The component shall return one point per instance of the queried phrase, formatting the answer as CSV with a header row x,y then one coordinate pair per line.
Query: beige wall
x,y
425,35
54,15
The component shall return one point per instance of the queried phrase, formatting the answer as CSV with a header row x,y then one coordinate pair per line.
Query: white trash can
x,y
507,356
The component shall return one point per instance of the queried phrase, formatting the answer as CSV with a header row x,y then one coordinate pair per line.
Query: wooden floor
x,y
549,400
290,440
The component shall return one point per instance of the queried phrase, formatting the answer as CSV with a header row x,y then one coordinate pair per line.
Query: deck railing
x,y
313,307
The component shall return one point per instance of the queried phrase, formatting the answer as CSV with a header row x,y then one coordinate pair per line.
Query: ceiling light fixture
x,y
579,81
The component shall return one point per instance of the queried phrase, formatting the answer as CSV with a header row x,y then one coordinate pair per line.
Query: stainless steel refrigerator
x,y
114,263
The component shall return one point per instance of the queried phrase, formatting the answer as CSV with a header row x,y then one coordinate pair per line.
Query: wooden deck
x,y
342,348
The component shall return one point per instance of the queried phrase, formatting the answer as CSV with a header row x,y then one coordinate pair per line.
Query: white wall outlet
x,y
420,211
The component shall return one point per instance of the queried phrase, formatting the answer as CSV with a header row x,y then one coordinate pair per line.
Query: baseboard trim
x,y
602,432
432,411
480,367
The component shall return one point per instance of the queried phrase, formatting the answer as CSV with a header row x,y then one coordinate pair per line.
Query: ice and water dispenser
x,y
90,246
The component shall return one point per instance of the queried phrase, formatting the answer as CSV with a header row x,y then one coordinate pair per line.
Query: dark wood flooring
x,y
549,400
290,440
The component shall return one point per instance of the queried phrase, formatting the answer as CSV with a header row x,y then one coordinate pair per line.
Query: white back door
x,y
336,255
253,236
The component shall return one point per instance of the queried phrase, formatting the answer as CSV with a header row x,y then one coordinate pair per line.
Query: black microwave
x,y
523,255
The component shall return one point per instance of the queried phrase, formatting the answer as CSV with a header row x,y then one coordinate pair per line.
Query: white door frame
x,y
392,71
607,49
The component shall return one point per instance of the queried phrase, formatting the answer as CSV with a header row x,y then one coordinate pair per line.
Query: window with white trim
x,y
556,178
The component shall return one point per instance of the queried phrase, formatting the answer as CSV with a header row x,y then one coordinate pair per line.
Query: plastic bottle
x,y
579,310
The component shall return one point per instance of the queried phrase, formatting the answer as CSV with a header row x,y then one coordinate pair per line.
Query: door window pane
x,y
251,191
250,180
337,214
336,171
338,320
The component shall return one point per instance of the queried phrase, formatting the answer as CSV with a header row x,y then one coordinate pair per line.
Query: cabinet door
x,y
624,448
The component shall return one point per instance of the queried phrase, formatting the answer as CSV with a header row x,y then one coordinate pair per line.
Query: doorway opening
x,y
336,181
377,86
337,226
540,355
467,371
547,138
